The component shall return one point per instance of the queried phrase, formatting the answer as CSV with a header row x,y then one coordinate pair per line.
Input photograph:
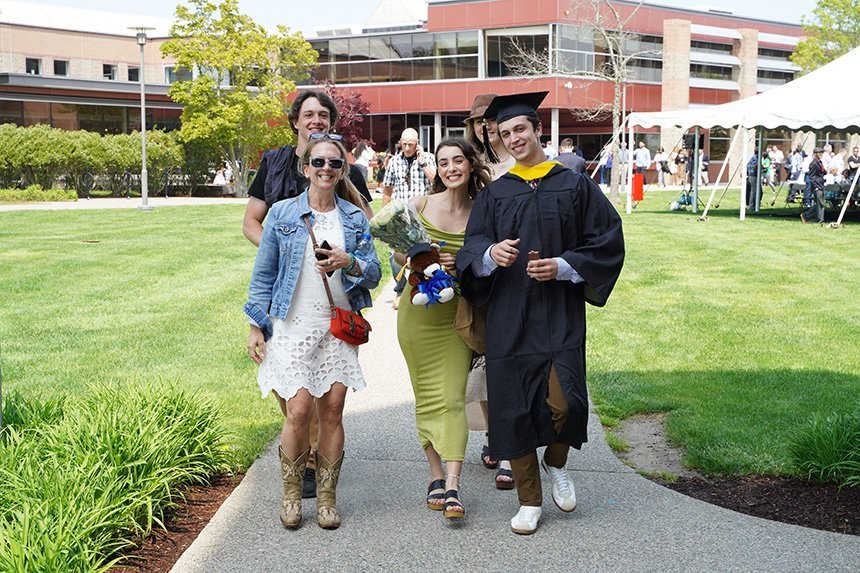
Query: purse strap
x,y
306,218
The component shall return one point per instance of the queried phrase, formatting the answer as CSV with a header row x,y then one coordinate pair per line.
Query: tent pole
x,y
694,173
744,173
851,189
758,170
704,216
629,187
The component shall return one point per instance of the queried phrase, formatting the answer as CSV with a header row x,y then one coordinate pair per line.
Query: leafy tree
x,y
86,160
122,155
237,99
351,111
833,30
41,154
164,157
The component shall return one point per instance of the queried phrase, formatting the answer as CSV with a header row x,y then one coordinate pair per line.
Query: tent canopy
x,y
801,104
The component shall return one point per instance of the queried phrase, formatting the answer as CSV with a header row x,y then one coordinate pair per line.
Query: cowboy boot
x,y
327,476
292,472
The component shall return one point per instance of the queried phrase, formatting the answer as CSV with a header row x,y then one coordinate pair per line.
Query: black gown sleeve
x,y
600,255
258,185
480,234
357,179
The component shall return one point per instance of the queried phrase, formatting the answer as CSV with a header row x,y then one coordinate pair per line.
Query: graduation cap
x,y
506,107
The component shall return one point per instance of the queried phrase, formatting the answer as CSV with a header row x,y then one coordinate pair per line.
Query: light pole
x,y
144,177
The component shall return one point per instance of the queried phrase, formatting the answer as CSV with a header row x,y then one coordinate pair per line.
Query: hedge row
x,y
83,160
36,193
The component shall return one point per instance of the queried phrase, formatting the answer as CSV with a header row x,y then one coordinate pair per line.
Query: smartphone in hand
x,y
321,257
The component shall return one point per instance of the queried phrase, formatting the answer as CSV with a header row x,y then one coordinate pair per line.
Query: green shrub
x,y
37,193
76,491
827,448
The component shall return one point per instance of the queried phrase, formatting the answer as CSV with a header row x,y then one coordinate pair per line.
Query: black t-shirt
x,y
257,188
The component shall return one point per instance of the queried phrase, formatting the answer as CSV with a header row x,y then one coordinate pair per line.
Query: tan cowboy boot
x,y
327,476
292,472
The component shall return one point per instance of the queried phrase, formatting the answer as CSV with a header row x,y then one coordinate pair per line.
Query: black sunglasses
x,y
334,162
332,136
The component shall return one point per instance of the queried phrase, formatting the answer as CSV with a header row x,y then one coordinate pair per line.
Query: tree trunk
x,y
615,175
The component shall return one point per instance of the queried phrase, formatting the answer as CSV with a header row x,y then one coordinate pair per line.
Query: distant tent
x,y
801,104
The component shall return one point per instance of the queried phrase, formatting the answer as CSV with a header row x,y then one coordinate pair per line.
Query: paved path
x,y
121,203
623,522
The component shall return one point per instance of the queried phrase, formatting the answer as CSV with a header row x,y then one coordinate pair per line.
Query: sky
x,y
301,15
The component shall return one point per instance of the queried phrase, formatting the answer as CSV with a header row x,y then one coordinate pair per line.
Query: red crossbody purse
x,y
346,325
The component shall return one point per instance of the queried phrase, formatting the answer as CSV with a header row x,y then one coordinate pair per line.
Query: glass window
x,y
774,77
33,66
591,144
575,38
423,70
173,74
467,67
321,46
711,47
133,74
401,71
359,48
718,143
422,45
380,72
467,43
773,54
501,51
359,72
380,48
401,45
446,44
446,68
339,50
37,112
708,71
61,67
109,71
573,62
11,112
64,116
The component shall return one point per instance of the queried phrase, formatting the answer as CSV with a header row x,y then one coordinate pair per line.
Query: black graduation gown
x,y
533,325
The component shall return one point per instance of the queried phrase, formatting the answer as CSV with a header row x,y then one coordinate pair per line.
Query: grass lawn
x,y
740,330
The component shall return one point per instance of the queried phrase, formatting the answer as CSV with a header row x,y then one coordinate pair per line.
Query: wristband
x,y
351,264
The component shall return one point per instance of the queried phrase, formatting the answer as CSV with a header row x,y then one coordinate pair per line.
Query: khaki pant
x,y
526,470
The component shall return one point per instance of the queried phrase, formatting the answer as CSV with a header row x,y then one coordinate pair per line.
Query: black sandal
x,y
487,459
436,490
504,484
454,509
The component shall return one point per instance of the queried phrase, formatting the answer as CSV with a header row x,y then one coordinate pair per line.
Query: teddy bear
x,y
430,282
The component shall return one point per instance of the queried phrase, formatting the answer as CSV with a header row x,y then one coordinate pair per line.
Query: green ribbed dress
x,y
438,362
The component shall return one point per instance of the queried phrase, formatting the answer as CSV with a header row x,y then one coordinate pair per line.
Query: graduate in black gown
x,y
541,242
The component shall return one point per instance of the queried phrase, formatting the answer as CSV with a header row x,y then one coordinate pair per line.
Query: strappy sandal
x,y
487,459
504,484
454,508
436,490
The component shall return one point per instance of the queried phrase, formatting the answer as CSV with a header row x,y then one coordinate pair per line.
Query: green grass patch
x,y
77,490
739,330
617,444
36,193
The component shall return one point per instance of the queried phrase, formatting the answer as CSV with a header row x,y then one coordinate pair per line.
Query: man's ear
x,y
539,130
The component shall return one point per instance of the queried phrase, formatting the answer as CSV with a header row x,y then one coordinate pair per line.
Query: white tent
x,y
801,104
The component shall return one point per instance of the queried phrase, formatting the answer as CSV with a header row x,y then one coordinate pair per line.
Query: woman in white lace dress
x,y
300,360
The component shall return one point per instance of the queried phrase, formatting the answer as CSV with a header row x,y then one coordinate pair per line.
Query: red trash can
x,y
638,186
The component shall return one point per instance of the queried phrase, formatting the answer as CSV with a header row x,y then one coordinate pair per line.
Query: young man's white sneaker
x,y
525,522
563,494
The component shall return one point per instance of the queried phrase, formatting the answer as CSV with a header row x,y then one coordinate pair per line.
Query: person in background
x,y
568,158
681,168
550,150
363,153
312,114
816,181
407,174
778,162
704,162
641,158
289,311
661,162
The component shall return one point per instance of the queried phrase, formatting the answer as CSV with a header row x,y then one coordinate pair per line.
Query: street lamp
x,y
144,177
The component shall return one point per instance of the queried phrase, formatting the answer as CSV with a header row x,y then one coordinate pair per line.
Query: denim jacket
x,y
282,248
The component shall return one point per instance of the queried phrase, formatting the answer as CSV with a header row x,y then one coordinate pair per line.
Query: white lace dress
x,y
302,353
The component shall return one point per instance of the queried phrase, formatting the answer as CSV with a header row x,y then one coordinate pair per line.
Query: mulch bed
x,y
162,549
810,504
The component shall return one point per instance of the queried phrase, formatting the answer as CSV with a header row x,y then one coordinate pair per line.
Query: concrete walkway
x,y
623,522
121,203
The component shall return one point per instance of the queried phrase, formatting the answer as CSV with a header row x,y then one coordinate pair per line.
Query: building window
x,y
710,72
133,74
774,78
33,66
502,48
773,54
61,68
173,74
710,47
718,143
109,71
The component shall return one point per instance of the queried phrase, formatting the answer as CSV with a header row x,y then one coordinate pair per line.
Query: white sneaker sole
x,y
552,495
523,531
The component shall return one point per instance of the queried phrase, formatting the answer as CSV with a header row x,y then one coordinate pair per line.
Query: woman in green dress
x,y
436,355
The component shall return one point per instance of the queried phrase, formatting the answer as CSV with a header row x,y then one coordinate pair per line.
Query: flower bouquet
x,y
398,226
